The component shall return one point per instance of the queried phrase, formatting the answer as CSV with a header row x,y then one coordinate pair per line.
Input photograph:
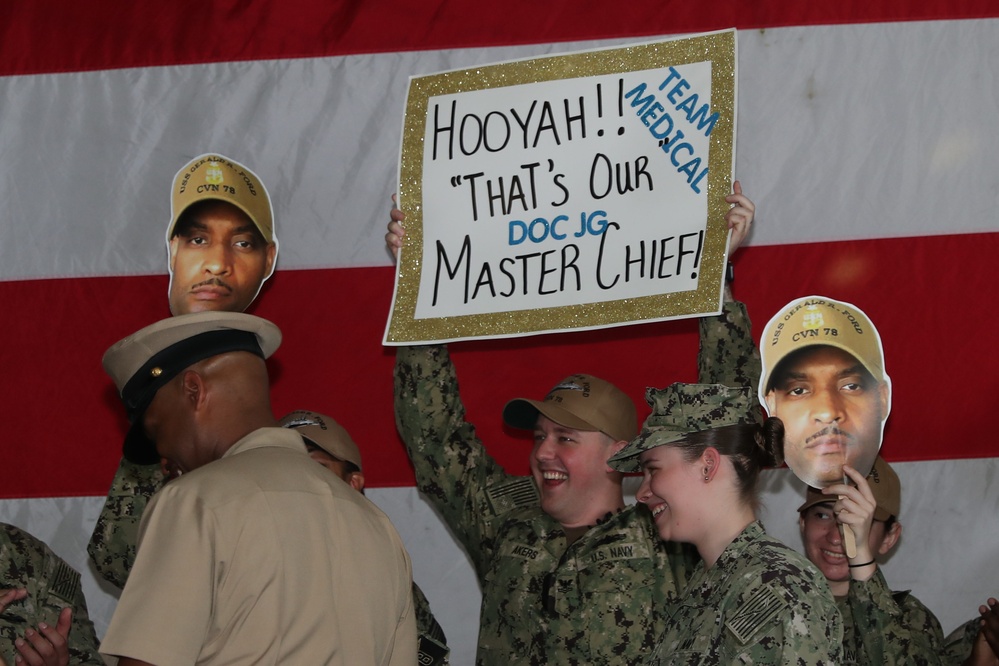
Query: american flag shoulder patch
x,y
758,610
513,494
65,582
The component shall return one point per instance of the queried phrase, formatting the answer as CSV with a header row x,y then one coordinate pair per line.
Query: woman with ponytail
x,y
751,599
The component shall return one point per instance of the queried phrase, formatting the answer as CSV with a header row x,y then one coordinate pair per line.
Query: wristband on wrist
x,y
864,564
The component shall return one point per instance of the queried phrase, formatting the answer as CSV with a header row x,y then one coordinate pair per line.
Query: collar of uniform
x,y
608,516
572,534
733,551
267,437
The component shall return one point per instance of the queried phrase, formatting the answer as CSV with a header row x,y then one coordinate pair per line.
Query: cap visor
x,y
626,460
523,414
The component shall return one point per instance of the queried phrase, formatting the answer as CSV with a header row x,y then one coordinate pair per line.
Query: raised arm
x,y
453,469
727,353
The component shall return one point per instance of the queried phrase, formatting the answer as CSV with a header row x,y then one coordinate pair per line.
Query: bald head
x,y
199,414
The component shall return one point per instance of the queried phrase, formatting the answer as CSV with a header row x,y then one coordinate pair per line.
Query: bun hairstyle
x,y
750,447
770,443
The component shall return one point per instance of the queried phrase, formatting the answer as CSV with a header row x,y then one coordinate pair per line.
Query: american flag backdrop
x,y
868,136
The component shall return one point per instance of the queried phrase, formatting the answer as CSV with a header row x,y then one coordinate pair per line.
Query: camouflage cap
x,y
817,320
215,176
142,363
580,402
681,409
324,432
885,487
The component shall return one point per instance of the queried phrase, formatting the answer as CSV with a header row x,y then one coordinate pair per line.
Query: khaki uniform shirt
x,y
601,600
264,557
52,585
112,548
761,603
889,628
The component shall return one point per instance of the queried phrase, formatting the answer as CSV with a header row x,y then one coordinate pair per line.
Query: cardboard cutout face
x,y
823,376
220,240
218,259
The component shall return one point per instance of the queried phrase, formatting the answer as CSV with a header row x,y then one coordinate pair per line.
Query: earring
x,y
706,475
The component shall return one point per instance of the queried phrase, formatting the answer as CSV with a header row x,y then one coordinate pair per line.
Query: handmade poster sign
x,y
824,377
569,192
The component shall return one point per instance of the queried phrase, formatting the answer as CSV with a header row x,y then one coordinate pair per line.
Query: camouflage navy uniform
x,y
547,599
112,547
761,603
885,627
52,585
958,644
432,649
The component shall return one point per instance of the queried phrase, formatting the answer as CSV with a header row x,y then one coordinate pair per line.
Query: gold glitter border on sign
x,y
717,47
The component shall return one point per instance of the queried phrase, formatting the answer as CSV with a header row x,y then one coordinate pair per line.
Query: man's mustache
x,y
829,430
213,282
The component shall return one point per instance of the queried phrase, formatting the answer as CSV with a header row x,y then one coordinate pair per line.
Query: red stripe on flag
x,y
65,36
63,425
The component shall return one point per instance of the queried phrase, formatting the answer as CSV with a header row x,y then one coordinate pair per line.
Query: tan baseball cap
x,y
216,177
145,361
682,409
885,487
325,433
580,402
817,320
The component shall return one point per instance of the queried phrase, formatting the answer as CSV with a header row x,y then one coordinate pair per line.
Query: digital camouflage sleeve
x,y
433,650
452,467
727,353
958,644
885,627
52,585
112,545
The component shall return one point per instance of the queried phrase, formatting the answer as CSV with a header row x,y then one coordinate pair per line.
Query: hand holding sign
x,y
739,217
393,237
854,511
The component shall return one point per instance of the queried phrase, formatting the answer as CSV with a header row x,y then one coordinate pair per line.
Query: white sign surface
x,y
571,192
